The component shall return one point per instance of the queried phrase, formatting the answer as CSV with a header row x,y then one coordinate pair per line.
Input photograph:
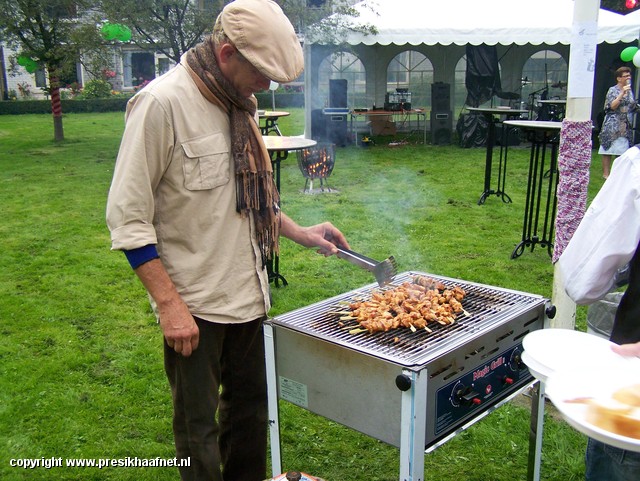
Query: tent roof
x,y
463,22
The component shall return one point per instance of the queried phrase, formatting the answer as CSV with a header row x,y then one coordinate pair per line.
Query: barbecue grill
x,y
413,390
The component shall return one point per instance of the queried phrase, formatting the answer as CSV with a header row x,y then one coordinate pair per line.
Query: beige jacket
x,y
173,186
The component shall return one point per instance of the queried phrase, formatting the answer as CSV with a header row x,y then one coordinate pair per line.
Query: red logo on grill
x,y
480,373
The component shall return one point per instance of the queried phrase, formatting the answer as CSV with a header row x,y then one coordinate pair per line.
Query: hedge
x,y
68,106
284,100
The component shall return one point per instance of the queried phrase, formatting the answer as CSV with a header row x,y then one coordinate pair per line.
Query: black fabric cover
x,y
482,80
472,130
483,75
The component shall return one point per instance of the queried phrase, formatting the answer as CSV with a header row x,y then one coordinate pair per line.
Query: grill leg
x,y
413,427
535,434
272,394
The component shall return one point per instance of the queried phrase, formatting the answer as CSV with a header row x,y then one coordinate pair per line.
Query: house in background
x,y
17,83
132,66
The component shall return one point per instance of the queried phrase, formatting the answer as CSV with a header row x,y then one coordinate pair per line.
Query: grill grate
x,y
487,307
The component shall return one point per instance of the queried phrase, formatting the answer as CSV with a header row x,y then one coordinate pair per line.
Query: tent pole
x,y
579,98
308,85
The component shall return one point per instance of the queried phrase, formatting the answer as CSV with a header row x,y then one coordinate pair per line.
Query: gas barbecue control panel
x,y
482,385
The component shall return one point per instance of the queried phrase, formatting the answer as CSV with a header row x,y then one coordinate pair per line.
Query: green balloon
x,y
124,33
110,31
628,53
31,66
106,31
116,31
28,63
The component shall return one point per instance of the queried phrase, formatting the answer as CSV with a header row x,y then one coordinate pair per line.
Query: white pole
x,y
582,57
273,86
308,84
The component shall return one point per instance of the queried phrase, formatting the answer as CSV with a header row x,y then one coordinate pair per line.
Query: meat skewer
x,y
410,305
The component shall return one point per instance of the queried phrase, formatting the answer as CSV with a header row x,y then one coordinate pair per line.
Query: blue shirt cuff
x,y
139,256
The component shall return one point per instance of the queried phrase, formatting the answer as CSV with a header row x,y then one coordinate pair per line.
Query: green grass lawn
x,y
81,371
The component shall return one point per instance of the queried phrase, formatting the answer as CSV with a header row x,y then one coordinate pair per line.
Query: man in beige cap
x,y
194,207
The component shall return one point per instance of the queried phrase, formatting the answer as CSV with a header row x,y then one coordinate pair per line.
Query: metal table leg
x,y
270,125
413,420
272,390
273,264
491,140
535,434
502,164
540,200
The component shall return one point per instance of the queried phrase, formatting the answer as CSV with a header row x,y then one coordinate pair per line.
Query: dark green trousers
x,y
220,403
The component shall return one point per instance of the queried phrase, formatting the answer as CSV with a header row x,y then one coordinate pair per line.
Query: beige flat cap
x,y
264,36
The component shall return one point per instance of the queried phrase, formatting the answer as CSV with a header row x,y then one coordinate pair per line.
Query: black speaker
x,y
440,97
318,126
441,127
336,126
338,93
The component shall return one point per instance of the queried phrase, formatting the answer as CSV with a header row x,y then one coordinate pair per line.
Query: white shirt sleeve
x,y
607,236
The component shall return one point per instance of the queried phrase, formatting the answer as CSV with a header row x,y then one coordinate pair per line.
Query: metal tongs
x,y
384,271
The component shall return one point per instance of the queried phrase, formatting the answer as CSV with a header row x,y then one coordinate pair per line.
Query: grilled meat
x,y
410,305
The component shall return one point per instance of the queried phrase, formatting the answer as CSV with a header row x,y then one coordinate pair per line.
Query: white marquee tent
x,y
474,22
441,30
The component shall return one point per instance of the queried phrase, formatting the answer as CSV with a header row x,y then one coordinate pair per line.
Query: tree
x,y
44,34
173,27
328,21
169,27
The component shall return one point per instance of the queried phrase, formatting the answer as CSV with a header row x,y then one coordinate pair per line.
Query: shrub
x,y
25,90
141,86
97,89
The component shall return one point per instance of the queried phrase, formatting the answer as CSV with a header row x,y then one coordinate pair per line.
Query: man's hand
x,y
325,237
178,327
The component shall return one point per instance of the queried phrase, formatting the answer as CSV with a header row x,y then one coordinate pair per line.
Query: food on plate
x,y
628,395
410,305
619,414
614,416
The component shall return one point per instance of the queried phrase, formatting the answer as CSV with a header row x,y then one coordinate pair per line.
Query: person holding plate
x,y
628,350
606,243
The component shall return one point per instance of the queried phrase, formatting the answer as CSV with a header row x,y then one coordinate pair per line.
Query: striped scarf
x,y
256,192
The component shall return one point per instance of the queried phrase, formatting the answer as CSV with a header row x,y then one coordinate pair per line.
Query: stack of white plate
x,y
574,364
549,350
